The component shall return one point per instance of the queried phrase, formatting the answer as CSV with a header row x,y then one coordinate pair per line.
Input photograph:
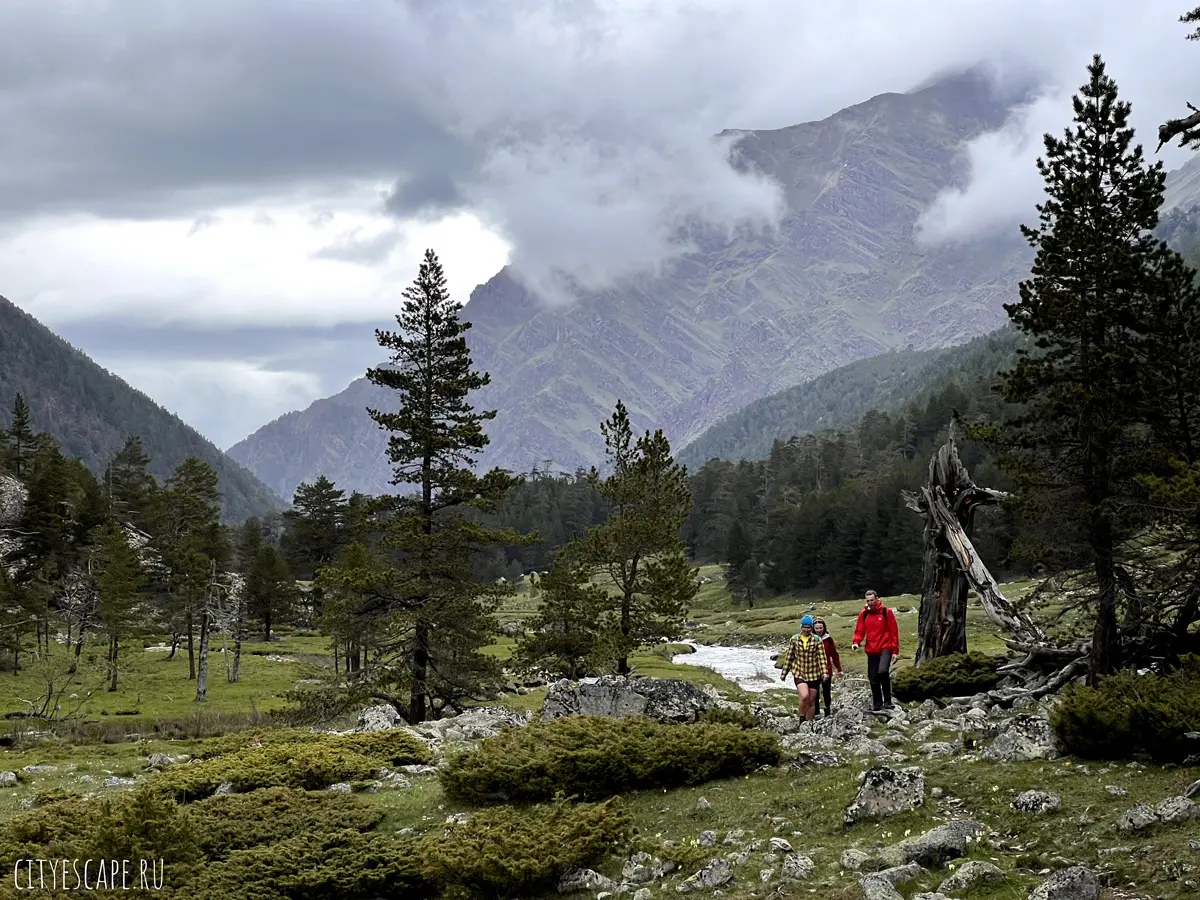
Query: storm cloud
x,y
244,163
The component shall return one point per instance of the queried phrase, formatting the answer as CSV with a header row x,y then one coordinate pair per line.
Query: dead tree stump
x,y
951,566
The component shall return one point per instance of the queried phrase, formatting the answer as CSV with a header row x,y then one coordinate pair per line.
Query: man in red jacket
x,y
878,629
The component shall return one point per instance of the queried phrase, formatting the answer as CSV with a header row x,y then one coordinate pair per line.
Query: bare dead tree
x,y
952,568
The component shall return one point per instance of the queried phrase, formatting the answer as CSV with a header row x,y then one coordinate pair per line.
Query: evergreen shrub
x,y
1127,715
591,757
955,675
290,845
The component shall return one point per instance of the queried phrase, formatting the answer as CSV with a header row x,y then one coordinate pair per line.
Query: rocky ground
x,y
967,799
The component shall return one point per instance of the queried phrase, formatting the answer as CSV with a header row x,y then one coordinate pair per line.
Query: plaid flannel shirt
x,y
805,659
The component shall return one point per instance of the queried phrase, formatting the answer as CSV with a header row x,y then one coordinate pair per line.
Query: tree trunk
x,y
951,564
267,624
191,647
238,627
78,650
202,678
114,648
1105,654
419,670
174,646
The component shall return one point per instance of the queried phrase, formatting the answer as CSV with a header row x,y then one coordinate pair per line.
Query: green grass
x,y
150,687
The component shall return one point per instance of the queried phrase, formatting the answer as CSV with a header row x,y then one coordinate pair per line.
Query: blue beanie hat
x,y
807,620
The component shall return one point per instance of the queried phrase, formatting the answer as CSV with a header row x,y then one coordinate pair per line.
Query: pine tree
x,y
120,585
430,601
1092,285
270,589
565,636
22,442
130,485
189,537
638,552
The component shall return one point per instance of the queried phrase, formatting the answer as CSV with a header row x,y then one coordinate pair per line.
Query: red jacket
x,y
880,630
832,658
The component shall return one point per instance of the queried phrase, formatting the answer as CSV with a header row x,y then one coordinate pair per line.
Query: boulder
x,y
1075,883
876,888
1024,738
969,875
886,792
617,697
1137,818
1177,809
1037,802
379,718
942,843
713,875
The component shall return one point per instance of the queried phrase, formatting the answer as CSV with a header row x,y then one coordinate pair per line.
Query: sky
x,y
221,201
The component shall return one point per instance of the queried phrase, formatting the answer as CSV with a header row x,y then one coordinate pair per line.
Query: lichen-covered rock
x,y
887,792
617,697
577,879
1177,809
1137,818
1075,883
1037,802
379,718
942,843
713,875
642,868
969,875
796,867
876,888
1024,738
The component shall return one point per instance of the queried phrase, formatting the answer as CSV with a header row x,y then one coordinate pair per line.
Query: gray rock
x,y
1137,818
1192,790
577,879
779,845
970,874
816,759
942,843
1177,809
8,779
765,875
796,867
808,740
1075,883
617,697
702,804
39,770
937,749
1025,738
342,787
117,781
1037,802
707,839
1116,790
378,718
713,875
876,888
642,894
864,746
900,874
886,792
642,868
854,860
225,787
925,895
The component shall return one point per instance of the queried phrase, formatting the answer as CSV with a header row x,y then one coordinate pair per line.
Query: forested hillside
x,y
91,413
839,398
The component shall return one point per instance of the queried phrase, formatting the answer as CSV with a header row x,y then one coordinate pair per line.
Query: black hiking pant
x,y
826,689
879,673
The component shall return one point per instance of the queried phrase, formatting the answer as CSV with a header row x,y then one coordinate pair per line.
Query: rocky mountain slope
x,y
843,279
91,412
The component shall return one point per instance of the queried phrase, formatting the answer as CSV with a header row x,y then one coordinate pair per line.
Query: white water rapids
x,y
750,668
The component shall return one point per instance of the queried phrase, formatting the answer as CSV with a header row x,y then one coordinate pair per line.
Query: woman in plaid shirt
x,y
805,660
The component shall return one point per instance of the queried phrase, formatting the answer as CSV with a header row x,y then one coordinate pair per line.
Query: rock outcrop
x,y
616,697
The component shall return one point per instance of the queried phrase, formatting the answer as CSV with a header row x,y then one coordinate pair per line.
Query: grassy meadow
x,y
153,711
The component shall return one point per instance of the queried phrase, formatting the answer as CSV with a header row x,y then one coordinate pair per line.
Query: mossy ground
x,y
810,802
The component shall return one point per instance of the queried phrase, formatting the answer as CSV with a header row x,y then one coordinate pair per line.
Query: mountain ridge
x,y
91,412
842,278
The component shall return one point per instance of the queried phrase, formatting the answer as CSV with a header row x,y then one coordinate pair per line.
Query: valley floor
x,y
735,819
